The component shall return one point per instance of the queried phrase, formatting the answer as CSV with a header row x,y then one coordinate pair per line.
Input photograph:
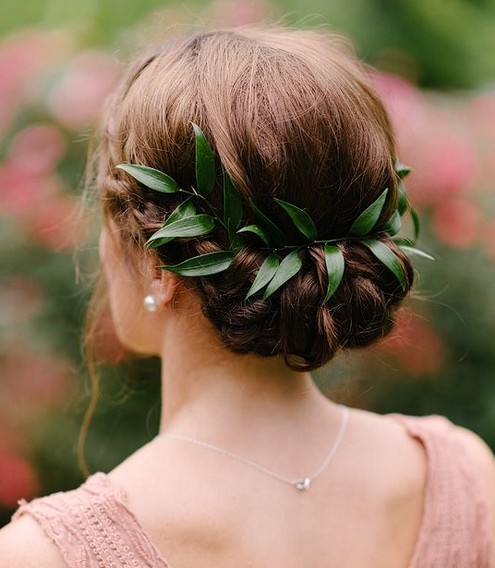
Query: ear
x,y
163,286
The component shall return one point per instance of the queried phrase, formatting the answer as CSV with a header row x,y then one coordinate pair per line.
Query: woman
x,y
253,466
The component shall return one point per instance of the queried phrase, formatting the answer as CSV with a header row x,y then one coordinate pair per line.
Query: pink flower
x,y
18,479
32,382
414,344
456,222
447,166
21,192
408,108
23,56
238,13
436,141
56,224
77,100
37,204
482,113
37,149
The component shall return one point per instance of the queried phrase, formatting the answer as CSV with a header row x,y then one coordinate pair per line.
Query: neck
x,y
216,395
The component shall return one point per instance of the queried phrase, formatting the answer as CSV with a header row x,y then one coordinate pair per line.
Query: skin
x,y
204,510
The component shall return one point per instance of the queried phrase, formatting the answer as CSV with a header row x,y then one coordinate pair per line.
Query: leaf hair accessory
x,y
283,260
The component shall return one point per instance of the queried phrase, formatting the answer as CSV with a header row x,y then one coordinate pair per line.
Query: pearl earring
x,y
150,303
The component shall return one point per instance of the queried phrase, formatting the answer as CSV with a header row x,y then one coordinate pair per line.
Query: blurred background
x,y
59,59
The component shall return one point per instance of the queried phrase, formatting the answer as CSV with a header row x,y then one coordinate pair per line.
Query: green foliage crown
x,y
283,260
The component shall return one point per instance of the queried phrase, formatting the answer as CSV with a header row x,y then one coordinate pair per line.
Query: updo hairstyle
x,y
290,114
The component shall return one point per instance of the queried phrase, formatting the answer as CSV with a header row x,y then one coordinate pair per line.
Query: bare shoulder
x,y
387,438
398,459
24,544
395,466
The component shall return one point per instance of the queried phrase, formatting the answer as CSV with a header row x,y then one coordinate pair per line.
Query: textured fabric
x,y
455,531
93,528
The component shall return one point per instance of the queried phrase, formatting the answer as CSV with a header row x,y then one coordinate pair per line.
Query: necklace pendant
x,y
303,484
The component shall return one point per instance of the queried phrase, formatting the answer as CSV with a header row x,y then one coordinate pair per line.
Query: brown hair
x,y
290,114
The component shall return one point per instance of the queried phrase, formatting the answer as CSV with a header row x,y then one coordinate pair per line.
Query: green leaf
x,y
363,225
403,203
185,209
416,224
232,209
412,250
401,169
289,267
202,265
257,230
334,261
270,227
394,224
151,178
193,226
387,256
403,242
300,218
205,163
265,273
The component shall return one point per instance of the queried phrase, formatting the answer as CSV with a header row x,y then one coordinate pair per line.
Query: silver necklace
x,y
301,484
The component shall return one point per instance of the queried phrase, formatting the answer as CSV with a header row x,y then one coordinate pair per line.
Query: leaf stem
x,y
194,193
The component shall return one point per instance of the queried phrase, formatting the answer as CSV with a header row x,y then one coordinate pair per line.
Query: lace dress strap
x,y
93,528
455,531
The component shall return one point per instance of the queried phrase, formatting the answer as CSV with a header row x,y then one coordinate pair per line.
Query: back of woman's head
x,y
289,114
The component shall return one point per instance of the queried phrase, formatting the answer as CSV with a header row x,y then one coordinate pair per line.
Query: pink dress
x,y
93,527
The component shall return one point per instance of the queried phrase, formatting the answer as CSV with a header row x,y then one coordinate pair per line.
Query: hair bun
x,y
364,309
293,322
289,115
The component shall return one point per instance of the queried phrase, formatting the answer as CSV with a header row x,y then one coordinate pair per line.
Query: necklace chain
x,y
301,484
